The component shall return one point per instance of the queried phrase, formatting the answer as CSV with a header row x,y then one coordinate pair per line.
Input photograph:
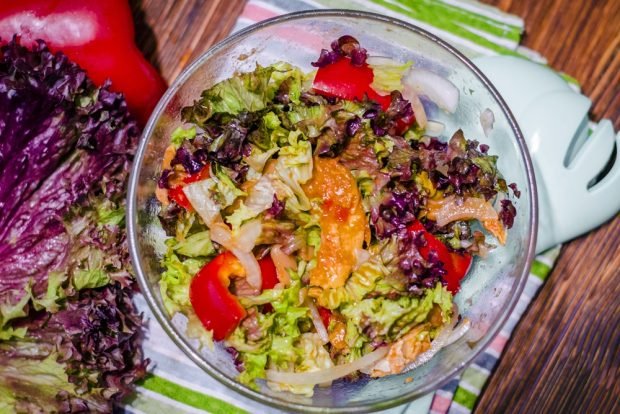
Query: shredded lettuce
x,y
309,119
258,158
180,134
312,355
250,91
259,199
276,344
196,245
175,281
390,319
227,192
294,168
387,74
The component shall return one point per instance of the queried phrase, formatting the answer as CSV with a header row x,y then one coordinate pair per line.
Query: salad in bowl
x,y
318,226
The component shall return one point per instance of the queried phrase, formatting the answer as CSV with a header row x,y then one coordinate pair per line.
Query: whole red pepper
x,y
96,34
217,308
456,264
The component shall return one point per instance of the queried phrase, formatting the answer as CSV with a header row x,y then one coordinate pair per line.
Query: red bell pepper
x,y
96,34
176,193
217,308
344,80
326,315
456,264
268,272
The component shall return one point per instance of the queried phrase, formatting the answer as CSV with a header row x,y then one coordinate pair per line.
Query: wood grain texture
x,y
565,353
564,356
174,33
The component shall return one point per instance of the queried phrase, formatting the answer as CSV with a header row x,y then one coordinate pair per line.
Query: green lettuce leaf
x,y
39,381
227,191
390,319
312,356
294,168
180,134
387,74
309,119
276,342
175,281
250,91
197,245
91,279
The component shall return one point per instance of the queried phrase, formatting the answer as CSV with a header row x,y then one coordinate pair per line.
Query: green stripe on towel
x,y
474,377
540,270
189,397
465,398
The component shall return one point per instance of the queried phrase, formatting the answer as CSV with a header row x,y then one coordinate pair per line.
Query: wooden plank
x,y
565,353
174,33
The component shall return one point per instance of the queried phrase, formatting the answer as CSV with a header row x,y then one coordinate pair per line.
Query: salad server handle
x,y
578,181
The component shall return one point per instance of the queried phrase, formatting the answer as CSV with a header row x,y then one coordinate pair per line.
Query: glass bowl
x,y
489,292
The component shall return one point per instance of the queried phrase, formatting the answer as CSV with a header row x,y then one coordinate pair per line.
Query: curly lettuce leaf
x,y
69,333
246,92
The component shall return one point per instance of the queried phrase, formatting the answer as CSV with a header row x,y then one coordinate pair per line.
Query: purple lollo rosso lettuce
x,y
69,333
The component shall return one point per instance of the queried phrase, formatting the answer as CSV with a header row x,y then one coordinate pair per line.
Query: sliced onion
x,y
326,375
221,234
452,209
436,88
246,236
486,120
434,128
416,104
317,321
283,262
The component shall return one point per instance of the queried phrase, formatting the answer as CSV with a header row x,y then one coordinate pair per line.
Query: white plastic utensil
x,y
568,156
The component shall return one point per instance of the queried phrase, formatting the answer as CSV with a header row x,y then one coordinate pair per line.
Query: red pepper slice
x,y
344,80
268,272
199,176
326,315
456,264
217,308
97,35
176,193
383,100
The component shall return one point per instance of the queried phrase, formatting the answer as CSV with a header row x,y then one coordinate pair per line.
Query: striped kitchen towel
x,y
176,385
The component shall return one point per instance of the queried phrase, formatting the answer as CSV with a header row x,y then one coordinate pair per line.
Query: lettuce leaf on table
x,y
69,333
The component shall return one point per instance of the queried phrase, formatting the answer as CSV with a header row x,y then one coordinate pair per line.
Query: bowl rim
x,y
165,321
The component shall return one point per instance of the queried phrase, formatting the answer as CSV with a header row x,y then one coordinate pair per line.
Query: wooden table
x,y
565,353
